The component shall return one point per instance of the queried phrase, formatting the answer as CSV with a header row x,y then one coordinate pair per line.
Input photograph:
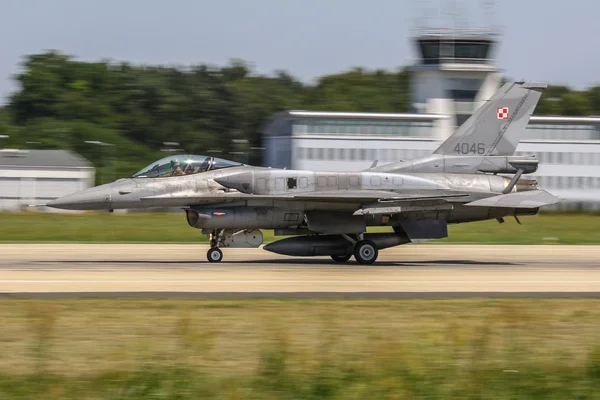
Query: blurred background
x,y
92,91
95,91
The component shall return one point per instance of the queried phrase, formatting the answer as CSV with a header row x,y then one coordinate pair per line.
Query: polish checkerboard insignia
x,y
502,112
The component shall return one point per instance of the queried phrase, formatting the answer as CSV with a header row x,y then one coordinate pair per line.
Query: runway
x,y
406,271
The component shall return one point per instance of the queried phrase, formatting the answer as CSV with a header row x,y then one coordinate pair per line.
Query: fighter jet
x,y
327,213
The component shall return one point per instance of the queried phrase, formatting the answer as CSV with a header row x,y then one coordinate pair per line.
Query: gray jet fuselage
x,y
458,182
274,190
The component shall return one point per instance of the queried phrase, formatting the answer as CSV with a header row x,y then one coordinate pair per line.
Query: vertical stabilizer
x,y
496,127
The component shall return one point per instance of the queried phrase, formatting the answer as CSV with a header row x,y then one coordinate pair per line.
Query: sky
x,y
552,41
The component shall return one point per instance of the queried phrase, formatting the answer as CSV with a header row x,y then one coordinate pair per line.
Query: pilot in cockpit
x,y
183,165
176,168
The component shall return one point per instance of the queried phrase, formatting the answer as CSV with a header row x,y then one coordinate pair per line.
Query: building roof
x,y
43,158
293,114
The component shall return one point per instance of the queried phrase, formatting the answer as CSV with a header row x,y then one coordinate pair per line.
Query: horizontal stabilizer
x,y
529,199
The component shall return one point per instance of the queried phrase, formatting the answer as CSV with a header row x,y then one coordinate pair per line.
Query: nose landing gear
x,y
215,254
231,238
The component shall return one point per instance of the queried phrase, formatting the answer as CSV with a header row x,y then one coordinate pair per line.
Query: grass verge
x,y
300,349
95,227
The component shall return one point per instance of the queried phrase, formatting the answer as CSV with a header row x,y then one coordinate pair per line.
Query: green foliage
x,y
61,102
561,100
470,348
104,227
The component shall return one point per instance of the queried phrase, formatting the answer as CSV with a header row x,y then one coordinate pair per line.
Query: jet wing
x,y
359,196
529,199
373,198
338,196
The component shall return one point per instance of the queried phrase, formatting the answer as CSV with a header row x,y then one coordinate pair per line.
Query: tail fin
x,y
496,127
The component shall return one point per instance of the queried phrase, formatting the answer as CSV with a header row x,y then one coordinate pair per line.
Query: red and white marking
x,y
502,112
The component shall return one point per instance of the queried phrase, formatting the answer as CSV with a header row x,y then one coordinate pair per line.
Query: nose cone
x,y
96,198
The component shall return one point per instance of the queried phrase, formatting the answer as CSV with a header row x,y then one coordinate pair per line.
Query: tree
x,y
61,102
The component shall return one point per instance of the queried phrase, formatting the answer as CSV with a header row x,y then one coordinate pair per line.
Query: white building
x,y
454,74
568,147
37,176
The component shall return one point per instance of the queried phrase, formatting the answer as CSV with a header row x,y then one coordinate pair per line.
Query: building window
x,y
320,153
330,155
371,154
352,154
310,153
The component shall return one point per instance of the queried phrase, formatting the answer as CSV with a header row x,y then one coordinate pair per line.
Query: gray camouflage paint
x,y
485,142
457,183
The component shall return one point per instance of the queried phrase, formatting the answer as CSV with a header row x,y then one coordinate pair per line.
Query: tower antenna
x,y
488,11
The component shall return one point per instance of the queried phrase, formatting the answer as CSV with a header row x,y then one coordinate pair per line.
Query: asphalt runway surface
x,y
181,270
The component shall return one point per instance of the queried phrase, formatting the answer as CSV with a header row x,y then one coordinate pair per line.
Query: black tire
x,y
214,255
342,258
365,252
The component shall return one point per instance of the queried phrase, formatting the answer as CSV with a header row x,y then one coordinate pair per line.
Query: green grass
x,y
300,349
92,227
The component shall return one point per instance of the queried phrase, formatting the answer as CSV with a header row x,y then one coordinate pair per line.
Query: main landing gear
x,y
365,251
341,258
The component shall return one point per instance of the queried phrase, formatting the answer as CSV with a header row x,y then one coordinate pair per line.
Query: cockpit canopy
x,y
183,165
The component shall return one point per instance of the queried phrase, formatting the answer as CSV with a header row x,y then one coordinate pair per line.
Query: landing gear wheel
x,y
365,252
214,254
341,259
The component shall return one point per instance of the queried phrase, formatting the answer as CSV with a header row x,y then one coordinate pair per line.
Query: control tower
x,y
455,71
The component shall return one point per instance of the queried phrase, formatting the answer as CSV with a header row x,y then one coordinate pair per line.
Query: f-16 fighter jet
x,y
327,213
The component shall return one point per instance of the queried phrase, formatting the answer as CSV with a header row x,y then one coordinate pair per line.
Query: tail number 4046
x,y
470,148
